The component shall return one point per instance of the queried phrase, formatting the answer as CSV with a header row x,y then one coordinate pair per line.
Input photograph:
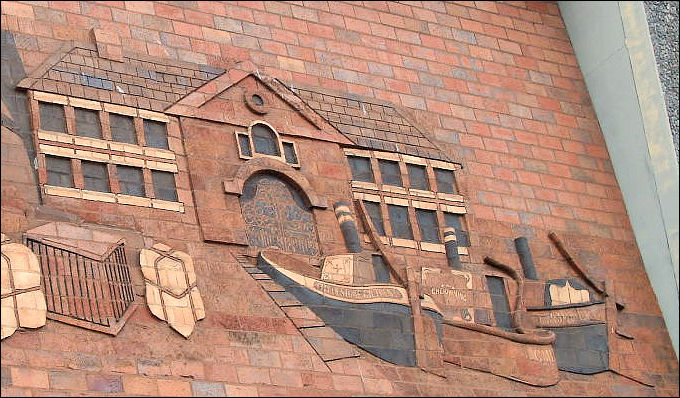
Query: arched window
x,y
277,216
265,140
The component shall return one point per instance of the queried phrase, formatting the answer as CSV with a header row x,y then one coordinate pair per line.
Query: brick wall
x,y
495,85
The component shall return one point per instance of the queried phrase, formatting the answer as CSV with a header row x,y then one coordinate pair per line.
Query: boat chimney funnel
x,y
348,226
451,247
525,257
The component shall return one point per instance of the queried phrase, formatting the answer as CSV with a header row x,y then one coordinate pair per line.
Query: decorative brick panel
x,y
493,87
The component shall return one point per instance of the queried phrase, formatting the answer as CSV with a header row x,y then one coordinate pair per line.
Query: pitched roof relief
x,y
138,81
367,124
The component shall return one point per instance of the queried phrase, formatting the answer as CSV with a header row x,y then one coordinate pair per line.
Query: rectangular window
x,y
289,153
59,171
123,128
417,177
156,134
456,221
96,176
164,185
499,301
389,170
131,180
87,123
52,117
361,168
375,214
399,220
445,181
427,223
382,274
244,144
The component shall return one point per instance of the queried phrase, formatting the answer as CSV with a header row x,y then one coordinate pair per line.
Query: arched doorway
x,y
276,215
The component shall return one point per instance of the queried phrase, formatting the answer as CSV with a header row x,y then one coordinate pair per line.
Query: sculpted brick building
x,y
313,198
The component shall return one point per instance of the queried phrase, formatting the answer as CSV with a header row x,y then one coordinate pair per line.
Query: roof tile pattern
x,y
141,81
376,126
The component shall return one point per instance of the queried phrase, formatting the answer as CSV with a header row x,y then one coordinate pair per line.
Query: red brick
x,y
198,18
145,7
473,26
96,11
485,212
104,383
27,377
496,83
504,215
495,145
471,141
234,390
193,369
295,25
504,174
221,372
513,202
18,9
168,11
288,378
490,199
185,29
528,177
140,385
253,375
552,182
173,388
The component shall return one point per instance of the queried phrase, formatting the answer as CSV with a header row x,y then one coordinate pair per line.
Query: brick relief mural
x,y
276,216
342,243
84,275
171,291
23,302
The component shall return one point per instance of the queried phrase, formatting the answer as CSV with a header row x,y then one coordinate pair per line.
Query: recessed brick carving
x,y
377,318
582,349
533,158
23,303
370,124
276,216
171,291
258,101
85,276
138,80
562,292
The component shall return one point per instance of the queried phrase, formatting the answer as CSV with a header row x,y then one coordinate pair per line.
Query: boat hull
x,y
375,318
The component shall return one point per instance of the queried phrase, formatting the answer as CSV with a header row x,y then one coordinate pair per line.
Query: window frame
x,y
370,165
83,163
279,142
413,198
295,152
392,221
156,190
78,148
122,182
454,189
390,162
409,166
277,138
462,234
76,124
135,134
380,212
70,165
421,228
40,116
145,122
